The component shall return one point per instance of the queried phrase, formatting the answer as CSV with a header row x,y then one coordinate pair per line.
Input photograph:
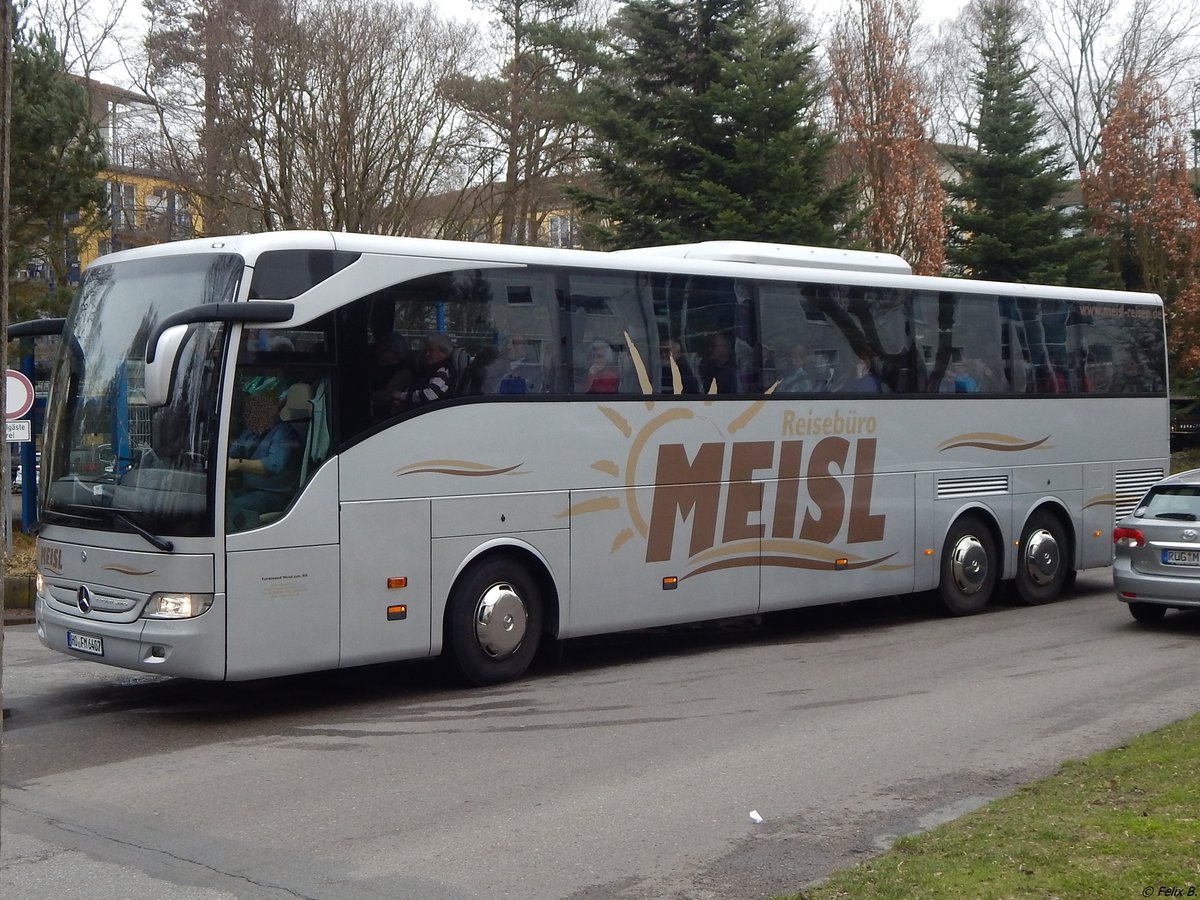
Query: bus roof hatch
x,y
768,254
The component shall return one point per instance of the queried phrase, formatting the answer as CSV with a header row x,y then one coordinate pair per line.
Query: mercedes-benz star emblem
x,y
83,597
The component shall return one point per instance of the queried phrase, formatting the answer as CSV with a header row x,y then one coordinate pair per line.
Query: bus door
x,y
282,587
281,520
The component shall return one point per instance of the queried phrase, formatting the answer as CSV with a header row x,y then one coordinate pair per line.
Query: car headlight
x,y
168,605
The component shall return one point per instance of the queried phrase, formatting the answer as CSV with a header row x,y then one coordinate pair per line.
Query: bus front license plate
x,y
1181,557
85,643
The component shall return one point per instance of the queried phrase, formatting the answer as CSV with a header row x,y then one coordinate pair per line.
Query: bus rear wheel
x,y
968,569
494,621
1042,564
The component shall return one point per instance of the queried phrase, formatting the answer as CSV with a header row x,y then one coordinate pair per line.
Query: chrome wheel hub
x,y
500,620
969,564
1042,558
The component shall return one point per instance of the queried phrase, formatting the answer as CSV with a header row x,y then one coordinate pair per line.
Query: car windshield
x,y
1177,501
113,461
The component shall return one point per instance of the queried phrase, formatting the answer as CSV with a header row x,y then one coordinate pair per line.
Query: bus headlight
x,y
39,584
164,605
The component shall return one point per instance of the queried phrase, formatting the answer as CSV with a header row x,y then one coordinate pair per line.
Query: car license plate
x,y
85,643
1181,557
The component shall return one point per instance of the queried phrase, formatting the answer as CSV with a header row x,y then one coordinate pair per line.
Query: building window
x,y
121,203
559,228
168,207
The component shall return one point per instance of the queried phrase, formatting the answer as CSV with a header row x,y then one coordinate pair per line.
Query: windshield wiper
x,y
161,543
1182,516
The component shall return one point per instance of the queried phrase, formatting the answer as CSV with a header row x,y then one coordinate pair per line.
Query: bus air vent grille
x,y
1130,487
975,486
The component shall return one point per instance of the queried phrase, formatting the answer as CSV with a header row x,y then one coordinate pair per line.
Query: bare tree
x,y
953,59
90,34
1088,48
294,113
882,109
379,134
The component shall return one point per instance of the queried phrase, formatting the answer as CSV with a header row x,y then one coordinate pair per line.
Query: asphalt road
x,y
629,770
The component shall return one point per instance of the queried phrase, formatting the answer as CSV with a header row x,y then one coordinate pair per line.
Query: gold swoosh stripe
x,y
983,444
598,504
127,570
787,562
453,467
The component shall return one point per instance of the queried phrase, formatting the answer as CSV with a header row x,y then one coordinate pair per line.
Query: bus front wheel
x,y
494,621
968,568
1042,565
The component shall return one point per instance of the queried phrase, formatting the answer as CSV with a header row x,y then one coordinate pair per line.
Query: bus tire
x,y
1148,613
968,569
1042,563
494,621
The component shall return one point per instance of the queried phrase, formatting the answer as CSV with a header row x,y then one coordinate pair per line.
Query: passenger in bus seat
x,y
799,378
475,379
514,373
865,379
719,366
961,381
390,373
265,457
433,381
688,384
602,376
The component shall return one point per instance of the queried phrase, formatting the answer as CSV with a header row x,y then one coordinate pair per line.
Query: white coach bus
x,y
616,441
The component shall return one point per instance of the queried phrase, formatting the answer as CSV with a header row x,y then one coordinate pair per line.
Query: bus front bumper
x,y
185,648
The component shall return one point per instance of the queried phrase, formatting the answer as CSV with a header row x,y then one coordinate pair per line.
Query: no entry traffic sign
x,y
18,396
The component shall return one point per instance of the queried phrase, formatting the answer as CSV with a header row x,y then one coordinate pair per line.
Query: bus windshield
x,y
114,462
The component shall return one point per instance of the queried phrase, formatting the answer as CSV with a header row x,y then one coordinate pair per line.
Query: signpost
x,y
18,401
18,432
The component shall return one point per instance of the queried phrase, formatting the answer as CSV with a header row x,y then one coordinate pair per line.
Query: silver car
x,y
1157,549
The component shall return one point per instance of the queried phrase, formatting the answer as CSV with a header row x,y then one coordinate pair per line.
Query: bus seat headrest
x,y
297,403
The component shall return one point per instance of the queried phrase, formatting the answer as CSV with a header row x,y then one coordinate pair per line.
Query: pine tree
x,y
706,129
57,152
1006,225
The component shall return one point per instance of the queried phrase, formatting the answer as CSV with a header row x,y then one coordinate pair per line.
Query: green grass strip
x,y
1122,824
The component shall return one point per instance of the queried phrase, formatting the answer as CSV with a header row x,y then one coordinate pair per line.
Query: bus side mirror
x,y
162,349
161,367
